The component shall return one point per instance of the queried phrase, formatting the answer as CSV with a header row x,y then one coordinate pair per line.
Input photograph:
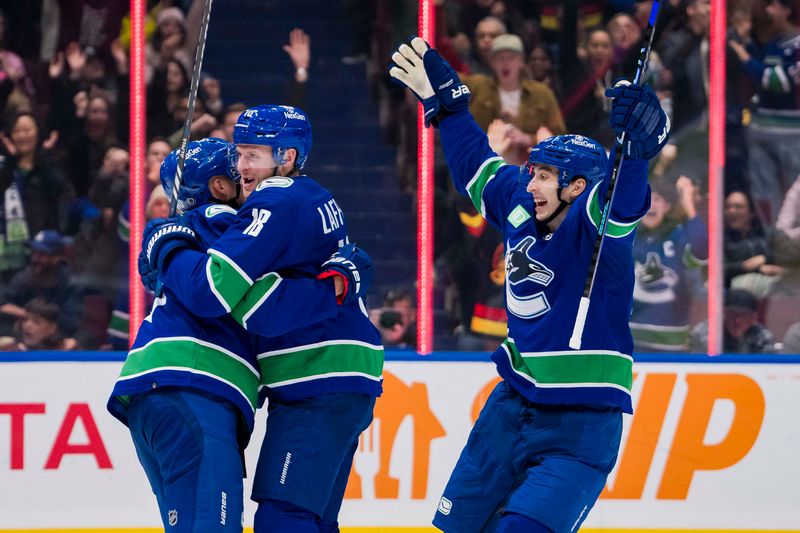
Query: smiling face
x,y
598,48
544,188
25,135
255,163
659,207
738,216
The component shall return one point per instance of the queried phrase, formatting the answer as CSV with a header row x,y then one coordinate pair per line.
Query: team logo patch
x,y
445,506
277,181
172,517
518,216
520,266
214,210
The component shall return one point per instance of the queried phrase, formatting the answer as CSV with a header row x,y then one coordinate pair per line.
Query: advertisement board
x,y
711,446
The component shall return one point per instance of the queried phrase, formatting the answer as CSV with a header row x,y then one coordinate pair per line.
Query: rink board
x,y
713,446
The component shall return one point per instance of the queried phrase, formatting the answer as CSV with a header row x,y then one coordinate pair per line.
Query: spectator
x,y
668,252
774,132
35,194
742,332
486,31
91,135
16,88
39,329
542,69
229,119
755,254
585,78
402,301
157,150
175,37
684,52
390,323
525,105
46,276
789,215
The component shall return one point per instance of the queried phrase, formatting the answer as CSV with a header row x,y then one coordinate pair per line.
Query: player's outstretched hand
x,y
354,266
164,236
635,109
434,82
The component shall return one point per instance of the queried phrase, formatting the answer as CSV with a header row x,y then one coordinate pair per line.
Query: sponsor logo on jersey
x,y
172,517
277,181
445,506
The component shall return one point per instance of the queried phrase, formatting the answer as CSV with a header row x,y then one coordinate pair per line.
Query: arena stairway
x,y
349,156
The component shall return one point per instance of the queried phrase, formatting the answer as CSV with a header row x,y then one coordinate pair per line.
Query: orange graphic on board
x,y
372,459
688,453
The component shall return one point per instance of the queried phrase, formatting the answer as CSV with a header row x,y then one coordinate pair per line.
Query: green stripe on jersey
x,y
319,361
482,177
255,297
660,337
193,355
119,324
573,368
613,228
227,280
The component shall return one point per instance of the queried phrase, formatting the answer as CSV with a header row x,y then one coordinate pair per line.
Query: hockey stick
x,y
583,306
198,64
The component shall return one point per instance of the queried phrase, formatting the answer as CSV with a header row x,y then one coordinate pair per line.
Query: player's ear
x,y
576,187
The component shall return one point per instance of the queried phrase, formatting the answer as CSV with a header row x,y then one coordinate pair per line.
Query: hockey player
x,y
668,255
189,386
539,453
321,381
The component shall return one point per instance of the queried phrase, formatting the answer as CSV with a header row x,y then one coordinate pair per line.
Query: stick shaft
x,y
193,87
583,309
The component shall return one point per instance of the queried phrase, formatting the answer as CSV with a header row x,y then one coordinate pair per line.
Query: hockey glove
x,y
164,236
355,267
635,109
431,78
149,275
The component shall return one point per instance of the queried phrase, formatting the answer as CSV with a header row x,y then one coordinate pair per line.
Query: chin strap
x,y
561,206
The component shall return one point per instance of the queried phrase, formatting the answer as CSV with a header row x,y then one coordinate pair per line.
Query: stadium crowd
x,y
534,69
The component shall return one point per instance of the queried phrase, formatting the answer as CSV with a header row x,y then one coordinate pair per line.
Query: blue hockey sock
x,y
517,523
274,516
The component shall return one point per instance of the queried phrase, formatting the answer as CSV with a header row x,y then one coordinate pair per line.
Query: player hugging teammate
x,y
226,330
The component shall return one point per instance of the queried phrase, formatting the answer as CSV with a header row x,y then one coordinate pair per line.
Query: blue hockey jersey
x,y
545,275
286,229
667,261
177,347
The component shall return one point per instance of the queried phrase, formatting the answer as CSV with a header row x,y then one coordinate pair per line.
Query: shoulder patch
x,y
518,216
277,181
213,210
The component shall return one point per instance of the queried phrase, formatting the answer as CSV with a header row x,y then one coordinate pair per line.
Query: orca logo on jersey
x,y
520,268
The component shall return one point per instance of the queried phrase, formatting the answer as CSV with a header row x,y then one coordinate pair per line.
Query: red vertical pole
x,y
137,149
716,174
426,30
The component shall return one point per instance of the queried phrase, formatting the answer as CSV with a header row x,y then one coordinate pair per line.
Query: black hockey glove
x,y
164,236
434,82
635,109
355,267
